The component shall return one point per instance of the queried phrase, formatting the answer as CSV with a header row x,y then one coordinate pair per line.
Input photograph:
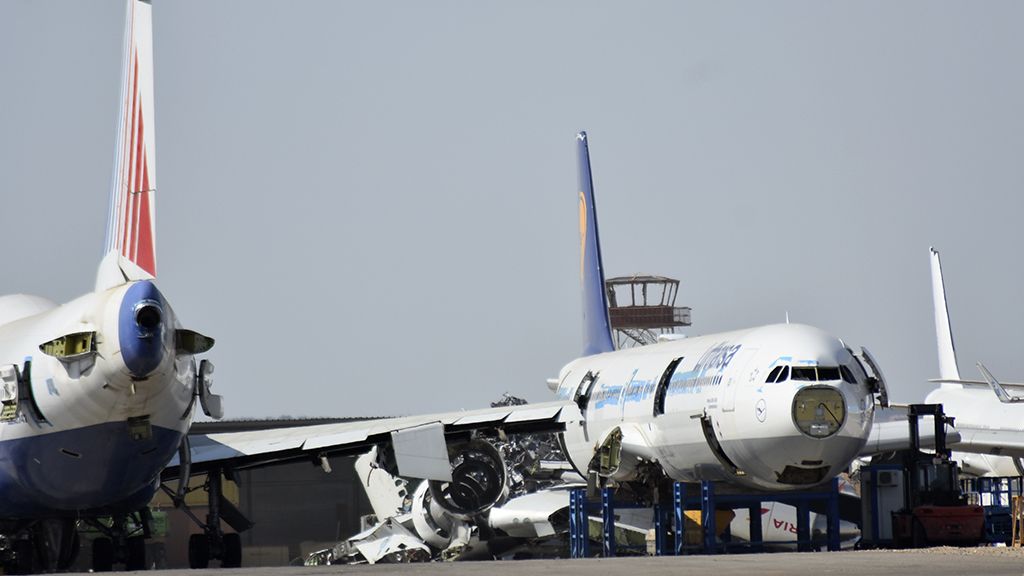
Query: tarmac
x,y
931,562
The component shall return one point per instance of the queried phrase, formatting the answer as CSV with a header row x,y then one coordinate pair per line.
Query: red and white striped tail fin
x,y
130,252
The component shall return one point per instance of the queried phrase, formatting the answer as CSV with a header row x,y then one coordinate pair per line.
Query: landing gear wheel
x,y
232,551
136,553
102,554
198,551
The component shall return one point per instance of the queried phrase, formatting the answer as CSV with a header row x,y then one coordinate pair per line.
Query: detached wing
x,y
240,450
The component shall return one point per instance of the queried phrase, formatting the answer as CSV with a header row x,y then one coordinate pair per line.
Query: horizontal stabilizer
x,y
1000,392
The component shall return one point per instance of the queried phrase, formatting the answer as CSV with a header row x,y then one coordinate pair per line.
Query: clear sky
x,y
372,205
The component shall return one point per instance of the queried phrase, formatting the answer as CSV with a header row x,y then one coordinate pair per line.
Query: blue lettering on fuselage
x,y
707,372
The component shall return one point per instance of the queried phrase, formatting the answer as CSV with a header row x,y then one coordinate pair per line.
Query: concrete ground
x,y
933,562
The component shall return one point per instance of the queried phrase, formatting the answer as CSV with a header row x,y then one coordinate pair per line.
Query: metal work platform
x,y
642,308
670,519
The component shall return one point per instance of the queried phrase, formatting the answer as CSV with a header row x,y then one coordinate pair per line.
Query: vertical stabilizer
x,y
130,250
597,334
943,333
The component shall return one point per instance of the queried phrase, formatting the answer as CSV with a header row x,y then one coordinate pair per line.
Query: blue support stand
x,y
707,516
679,508
756,534
608,521
662,524
833,516
579,524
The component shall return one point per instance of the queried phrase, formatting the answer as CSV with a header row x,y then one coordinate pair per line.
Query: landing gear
x,y
213,543
41,546
123,541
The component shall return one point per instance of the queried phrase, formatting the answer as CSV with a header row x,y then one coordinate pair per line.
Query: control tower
x,y
642,308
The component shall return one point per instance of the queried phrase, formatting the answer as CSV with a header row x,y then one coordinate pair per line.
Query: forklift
x,y
935,510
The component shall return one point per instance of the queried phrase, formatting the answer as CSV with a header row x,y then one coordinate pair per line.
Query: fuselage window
x,y
784,375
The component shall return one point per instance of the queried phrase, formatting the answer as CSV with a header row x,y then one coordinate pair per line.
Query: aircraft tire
x,y
136,553
232,551
198,551
102,554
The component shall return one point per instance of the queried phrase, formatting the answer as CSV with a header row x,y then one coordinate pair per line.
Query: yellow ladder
x,y
1018,521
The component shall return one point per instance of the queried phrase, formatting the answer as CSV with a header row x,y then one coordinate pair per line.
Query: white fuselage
x,y
977,407
719,419
92,431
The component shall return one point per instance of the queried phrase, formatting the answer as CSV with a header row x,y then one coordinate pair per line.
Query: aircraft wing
x,y
249,449
995,441
891,432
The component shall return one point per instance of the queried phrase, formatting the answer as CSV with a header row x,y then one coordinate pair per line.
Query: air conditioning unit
x,y
888,478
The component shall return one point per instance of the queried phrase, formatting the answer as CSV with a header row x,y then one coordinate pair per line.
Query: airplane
x,y
97,394
990,426
777,407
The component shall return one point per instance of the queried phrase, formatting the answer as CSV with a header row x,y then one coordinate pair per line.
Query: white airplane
x,y
990,426
97,393
777,407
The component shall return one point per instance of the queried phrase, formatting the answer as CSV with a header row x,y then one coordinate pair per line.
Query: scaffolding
x,y
643,308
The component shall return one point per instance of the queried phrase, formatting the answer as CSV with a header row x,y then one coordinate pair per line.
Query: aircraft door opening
x,y
582,396
662,390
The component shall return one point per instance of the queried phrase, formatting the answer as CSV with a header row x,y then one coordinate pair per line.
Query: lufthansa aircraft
x,y
776,407
97,393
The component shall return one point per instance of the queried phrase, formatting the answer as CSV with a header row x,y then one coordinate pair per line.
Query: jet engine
x,y
479,480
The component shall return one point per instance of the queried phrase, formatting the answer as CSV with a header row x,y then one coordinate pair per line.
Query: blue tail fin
x,y
597,334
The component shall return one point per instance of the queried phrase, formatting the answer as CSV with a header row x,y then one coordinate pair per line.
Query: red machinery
x,y
936,511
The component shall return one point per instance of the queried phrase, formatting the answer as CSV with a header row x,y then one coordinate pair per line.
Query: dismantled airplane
x,y
97,393
989,425
777,407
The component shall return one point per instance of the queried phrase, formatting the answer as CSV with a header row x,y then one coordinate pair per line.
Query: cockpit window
x,y
817,373
847,375
828,373
805,373
778,374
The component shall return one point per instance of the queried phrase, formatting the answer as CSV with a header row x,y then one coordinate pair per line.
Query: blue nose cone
x,y
142,323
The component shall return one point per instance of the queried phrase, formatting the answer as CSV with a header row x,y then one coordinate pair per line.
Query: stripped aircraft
x,y
97,393
776,407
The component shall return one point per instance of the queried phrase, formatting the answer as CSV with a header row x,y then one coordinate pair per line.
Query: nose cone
x,y
142,327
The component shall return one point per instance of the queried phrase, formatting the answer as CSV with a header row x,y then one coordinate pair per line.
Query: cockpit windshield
x,y
821,373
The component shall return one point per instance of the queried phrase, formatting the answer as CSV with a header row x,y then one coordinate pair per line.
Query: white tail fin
x,y
948,370
130,252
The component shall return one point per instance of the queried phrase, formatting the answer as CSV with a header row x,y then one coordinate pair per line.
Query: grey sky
x,y
371,205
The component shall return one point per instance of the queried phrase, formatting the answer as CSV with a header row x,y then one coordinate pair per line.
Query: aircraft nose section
x,y
142,326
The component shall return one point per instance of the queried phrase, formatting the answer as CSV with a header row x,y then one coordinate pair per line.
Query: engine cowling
x,y
479,480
